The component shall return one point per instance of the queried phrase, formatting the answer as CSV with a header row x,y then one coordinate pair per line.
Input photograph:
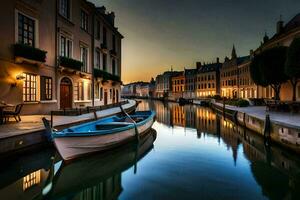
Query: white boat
x,y
100,135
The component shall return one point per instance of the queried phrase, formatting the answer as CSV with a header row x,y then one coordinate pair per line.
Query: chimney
x,y
218,60
198,65
251,54
279,25
102,9
111,17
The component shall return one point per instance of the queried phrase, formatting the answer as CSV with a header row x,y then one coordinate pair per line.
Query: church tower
x,y
233,53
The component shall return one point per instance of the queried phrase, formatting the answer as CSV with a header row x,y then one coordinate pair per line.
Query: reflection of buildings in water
x,y
228,131
274,169
163,114
190,116
31,180
206,120
28,187
106,190
162,110
178,115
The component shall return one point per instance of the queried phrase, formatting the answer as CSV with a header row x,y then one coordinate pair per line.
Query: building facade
x,y
178,85
208,79
190,83
48,58
285,33
163,83
27,59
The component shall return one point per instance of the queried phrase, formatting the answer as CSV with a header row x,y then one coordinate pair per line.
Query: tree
x,y
292,65
268,68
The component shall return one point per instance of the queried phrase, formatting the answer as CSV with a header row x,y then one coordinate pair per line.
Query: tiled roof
x,y
210,67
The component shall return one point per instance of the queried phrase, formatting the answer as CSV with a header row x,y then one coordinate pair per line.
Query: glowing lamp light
x,y
19,77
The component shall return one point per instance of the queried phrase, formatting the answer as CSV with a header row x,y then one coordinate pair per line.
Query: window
x,y
84,58
64,8
98,30
65,47
114,42
96,90
101,94
46,88
89,91
104,36
26,29
104,60
97,59
114,66
78,91
29,88
110,93
84,20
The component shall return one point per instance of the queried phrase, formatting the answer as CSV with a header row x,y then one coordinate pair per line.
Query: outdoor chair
x,y
15,113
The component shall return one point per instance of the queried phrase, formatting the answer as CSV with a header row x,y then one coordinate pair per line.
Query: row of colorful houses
x,y
232,78
58,54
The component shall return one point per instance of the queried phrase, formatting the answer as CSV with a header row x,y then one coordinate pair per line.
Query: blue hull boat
x,y
101,135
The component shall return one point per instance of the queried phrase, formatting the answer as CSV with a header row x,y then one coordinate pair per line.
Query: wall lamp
x,y
19,77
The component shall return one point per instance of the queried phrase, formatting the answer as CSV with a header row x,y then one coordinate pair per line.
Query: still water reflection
x,y
193,154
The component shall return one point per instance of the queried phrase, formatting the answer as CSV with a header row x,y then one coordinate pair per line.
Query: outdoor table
x,y
2,107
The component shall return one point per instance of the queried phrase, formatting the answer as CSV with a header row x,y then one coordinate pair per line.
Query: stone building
x,y
163,83
229,75
190,83
27,54
208,79
285,33
178,85
247,89
48,58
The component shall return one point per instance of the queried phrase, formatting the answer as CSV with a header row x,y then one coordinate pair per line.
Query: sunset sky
x,y
164,33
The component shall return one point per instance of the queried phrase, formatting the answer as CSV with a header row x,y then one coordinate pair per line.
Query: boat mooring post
x,y
267,129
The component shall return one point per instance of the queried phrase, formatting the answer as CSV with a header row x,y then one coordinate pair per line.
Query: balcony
x,y
28,54
70,63
106,76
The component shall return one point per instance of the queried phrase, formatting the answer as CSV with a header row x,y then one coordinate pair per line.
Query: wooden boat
x,y
74,179
100,135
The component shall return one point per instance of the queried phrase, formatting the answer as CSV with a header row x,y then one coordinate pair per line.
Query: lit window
x,y
31,180
29,88
78,91
26,28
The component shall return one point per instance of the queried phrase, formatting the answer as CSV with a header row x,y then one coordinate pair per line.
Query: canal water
x,y
191,153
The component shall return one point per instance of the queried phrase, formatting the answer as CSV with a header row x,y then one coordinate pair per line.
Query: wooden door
x,y
105,97
65,93
117,95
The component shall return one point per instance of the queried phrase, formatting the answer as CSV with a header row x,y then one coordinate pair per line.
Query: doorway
x,y
65,93
105,97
